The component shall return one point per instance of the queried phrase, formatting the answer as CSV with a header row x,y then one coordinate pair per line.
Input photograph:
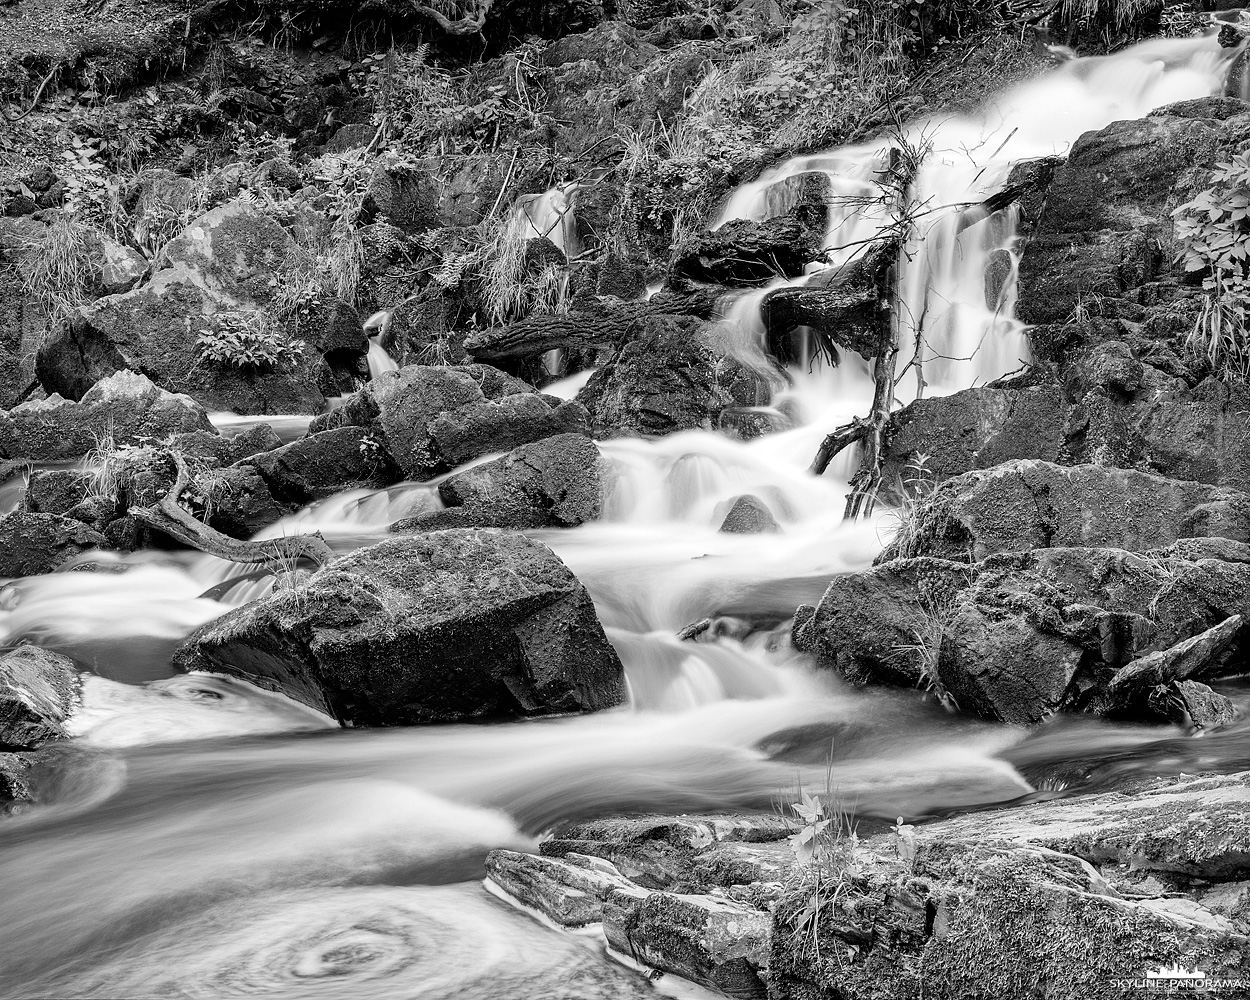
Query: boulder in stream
x,y
423,628
39,690
31,544
557,482
1027,504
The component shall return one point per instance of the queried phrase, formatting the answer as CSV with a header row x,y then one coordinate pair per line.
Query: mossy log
x,y
607,324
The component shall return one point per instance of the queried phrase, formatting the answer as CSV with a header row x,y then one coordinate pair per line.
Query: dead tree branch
x,y
170,517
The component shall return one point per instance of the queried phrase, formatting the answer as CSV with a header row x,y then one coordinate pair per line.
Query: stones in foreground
x,y
1071,894
427,628
39,691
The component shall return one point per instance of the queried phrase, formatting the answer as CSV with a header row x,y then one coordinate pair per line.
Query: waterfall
x,y
964,339
550,215
380,362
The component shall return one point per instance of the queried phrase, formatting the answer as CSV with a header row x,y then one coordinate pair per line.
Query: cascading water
x,y
211,839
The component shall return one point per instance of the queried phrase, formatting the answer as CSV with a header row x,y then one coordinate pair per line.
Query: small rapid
x,y
230,841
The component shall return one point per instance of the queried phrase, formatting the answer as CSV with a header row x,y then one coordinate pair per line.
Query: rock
x,y
221,449
15,780
452,190
226,267
39,543
1017,636
564,890
1188,825
717,943
155,329
1192,705
435,627
39,690
238,501
937,437
554,483
323,464
1031,504
749,515
235,251
1204,655
431,420
123,409
349,137
670,380
55,491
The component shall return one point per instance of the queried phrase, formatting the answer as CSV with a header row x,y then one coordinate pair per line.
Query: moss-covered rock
x,y
427,628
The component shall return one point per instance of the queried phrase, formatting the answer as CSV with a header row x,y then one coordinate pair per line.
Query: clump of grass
x,y
929,629
915,489
59,268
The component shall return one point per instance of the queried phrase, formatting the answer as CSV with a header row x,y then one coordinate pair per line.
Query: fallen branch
x,y
470,23
170,517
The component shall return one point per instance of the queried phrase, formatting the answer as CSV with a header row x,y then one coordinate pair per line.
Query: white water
x,y
241,845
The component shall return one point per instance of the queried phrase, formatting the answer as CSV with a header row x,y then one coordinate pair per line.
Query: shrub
x,y
59,268
1214,234
248,340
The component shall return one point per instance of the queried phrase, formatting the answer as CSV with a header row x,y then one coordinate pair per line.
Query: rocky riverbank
x,y
252,269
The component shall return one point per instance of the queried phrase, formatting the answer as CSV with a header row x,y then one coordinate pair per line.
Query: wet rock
x,y
557,482
1204,655
124,408
39,690
55,491
425,628
1018,636
938,437
432,419
323,464
749,515
715,942
1188,825
237,501
1031,504
1192,705
570,891
670,380
39,543
222,449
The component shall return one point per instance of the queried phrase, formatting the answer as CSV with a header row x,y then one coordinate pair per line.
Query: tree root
x,y
171,518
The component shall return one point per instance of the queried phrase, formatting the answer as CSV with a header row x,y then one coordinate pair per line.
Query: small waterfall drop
x,y
550,215
947,327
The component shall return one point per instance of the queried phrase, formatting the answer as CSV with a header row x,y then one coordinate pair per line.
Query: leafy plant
x,y
1213,230
248,340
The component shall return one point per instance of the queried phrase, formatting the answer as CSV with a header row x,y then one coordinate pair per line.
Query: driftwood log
x,y
604,325
170,517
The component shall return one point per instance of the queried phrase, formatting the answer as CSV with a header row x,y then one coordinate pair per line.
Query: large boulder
x,y
233,265
435,192
1031,504
123,409
554,483
432,419
1022,635
39,690
425,628
671,379
748,253
39,543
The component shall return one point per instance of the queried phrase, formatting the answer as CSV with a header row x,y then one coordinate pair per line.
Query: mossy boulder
x,y
124,408
432,419
1020,636
31,544
1029,504
554,483
425,628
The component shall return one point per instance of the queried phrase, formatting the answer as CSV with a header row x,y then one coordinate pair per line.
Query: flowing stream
x,y
211,840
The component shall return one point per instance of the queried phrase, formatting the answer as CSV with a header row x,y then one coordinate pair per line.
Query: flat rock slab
x,y
1194,826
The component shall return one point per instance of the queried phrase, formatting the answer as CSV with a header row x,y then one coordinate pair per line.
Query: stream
x,y
212,840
